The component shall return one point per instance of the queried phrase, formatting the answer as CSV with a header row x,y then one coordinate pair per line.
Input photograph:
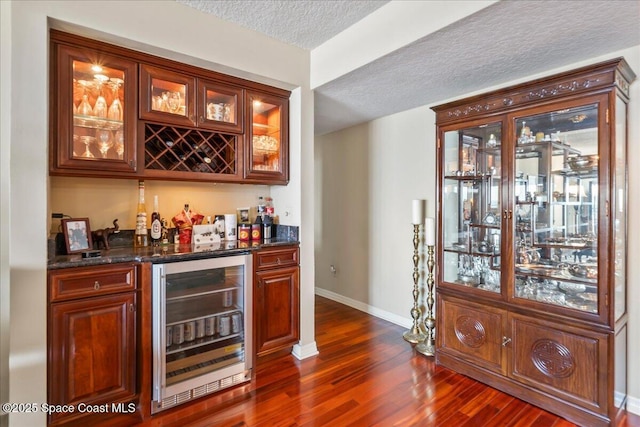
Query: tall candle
x,y
418,211
430,231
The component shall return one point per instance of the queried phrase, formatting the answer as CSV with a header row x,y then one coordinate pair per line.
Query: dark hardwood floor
x,y
365,375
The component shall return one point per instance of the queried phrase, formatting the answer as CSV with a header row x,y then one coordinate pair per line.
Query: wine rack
x,y
170,148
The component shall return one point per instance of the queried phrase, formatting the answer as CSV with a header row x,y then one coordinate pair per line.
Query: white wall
x,y
366,177
193,37
5,219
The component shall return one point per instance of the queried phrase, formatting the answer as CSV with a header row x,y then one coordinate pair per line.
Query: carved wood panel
x,y
472,333
560,360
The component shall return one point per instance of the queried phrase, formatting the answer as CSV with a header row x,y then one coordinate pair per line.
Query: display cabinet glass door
x,y
167,96
556,207
266,155
471,207
96,103
220,107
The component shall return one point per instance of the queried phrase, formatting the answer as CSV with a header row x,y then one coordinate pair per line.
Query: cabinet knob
x,y
505,341
132,308
278,261
96,285
201,119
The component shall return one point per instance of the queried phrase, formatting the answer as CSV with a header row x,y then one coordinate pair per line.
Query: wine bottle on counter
x,y
156,225
141,238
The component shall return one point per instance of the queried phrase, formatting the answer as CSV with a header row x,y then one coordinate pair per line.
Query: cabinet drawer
x,y
82,282
276,257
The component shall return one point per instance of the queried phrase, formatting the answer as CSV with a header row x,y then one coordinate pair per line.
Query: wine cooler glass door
x,y
202,321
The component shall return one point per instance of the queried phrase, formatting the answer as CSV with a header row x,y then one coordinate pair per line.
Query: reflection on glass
x,y
471,207
98,92
220,107
266,137
555,209
168,97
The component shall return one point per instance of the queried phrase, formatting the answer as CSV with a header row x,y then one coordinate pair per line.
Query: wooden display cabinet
x,y
267,142
93,111
174,121
172,97
276,299
531,260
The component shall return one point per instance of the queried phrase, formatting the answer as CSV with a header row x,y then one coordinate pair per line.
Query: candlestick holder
x,y
414,335
428,345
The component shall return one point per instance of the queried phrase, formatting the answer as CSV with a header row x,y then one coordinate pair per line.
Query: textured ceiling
x,y
303,23
506,41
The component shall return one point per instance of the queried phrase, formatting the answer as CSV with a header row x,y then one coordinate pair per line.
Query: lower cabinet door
x,y
568,362
92,352
277,307
472,332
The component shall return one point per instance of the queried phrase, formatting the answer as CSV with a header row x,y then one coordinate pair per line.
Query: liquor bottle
x,y
260,207
156,225
268,208
141,238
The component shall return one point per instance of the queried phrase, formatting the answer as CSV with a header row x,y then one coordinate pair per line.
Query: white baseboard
x,y
382,314
633,403
304,351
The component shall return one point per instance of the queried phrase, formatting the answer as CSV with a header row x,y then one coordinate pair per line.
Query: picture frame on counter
x,y
77,235
243,216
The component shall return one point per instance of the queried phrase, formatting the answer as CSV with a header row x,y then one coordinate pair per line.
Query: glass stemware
x,y
87,141
84,108
174,102
104,141
100,107
119,143
115,110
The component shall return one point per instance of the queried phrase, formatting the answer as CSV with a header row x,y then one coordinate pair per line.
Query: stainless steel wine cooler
x,y
202,335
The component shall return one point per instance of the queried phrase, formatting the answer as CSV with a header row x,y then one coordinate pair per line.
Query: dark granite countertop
x,y
165,253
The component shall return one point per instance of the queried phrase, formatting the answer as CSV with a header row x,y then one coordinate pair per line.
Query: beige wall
x,y
103,200
366,177
165,28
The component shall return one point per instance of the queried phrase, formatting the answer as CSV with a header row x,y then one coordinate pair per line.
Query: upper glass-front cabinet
x,y
167,97
95,107
220,107
556,205
472,206
267,144
532,186
180,99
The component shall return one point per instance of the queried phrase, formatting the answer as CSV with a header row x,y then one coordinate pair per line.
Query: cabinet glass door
x,y
471,207
220,107
267,144
96,111
555,208
166,96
